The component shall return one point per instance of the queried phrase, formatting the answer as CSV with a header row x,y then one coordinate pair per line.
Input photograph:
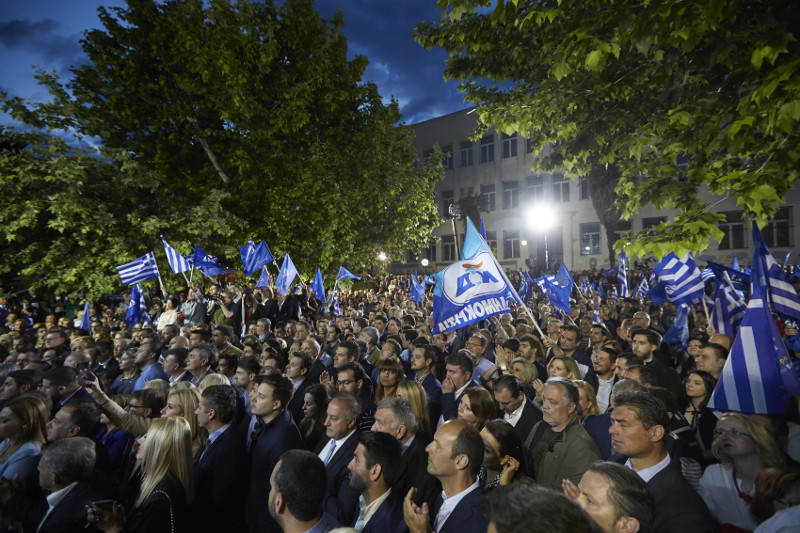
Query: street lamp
x,y
541,217
381,256
424,261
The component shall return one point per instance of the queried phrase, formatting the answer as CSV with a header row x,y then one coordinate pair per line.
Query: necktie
x,y
330,452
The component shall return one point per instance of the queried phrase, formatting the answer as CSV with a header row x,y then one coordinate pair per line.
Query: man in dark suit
x,y
395,416
298,487
644,343
459,379
297,368
64,471
454,458
423,359
221,470
274,433
287,309
518,410
597,425
341,501
373,471
639,431
61,385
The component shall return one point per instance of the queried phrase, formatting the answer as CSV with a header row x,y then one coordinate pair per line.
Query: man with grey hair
x,y
370,336
395,416
558,446
64,470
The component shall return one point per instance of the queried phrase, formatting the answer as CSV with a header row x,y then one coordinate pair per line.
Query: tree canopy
x,y
651,101
246,118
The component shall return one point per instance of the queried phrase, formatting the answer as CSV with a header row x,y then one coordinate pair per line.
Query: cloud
x,y
41,38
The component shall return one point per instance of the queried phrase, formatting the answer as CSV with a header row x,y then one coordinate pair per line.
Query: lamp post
x,y
541,217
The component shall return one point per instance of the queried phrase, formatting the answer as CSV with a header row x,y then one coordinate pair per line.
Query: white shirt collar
x,y
55,498
515,415
650,472
324,452
449,504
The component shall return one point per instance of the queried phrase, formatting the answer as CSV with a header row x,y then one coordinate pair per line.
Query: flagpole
x,y
186,279
705,308
730,284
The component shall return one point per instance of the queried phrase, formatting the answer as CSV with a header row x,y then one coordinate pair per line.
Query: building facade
x,y
532,217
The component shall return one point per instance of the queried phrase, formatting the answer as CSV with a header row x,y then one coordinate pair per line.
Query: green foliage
x,y
251,108
621,92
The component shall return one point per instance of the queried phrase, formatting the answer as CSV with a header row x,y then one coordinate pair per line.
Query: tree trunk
x,y
602,181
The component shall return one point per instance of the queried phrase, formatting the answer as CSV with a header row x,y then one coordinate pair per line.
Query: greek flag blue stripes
x,y
681,278
614,294
140,269
176,261
728,312
767,273
707,274
622,275
137,310
641,289
758,376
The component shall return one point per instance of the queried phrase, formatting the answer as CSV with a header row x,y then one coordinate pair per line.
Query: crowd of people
x,y
238,408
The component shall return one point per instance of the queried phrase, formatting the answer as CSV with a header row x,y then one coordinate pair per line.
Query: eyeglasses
x,y
345,382
731,432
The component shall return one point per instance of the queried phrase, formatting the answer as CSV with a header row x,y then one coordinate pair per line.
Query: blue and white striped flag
x,y
767,273
614,294
622,275
176,261
727,311
140,269
786,259
596,316
641,289
707,275
758,376
137,310
681,279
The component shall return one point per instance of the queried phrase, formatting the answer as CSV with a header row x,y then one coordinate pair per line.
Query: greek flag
x,y
85,322
681,278
317,288
417,289
707,275
786,259
286,275
758,376
176,261
727,311
739,279
614,294
472,289
622,275
140,269
336,311
768,274
137,310
641,289
678,333
596,316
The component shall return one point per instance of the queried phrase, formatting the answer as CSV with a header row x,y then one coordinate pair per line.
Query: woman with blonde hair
x,y
562,366
415,394
588,399
23,427
184,403
167,486
745,447
214,379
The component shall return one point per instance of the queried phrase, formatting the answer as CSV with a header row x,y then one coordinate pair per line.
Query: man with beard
x,y
373,471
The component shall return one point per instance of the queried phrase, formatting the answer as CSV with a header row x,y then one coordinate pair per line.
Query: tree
x,y
254,104
650,101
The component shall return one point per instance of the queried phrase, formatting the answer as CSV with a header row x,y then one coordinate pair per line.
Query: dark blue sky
x,y
45,34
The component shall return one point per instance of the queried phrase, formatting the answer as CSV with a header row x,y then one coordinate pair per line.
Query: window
x,y
487,192
430,252
650,222
511,244
583,189
448,198
427,155
491,240
510,194
487,149
535,189
466,154
560,188
509,145
590,238
448,248
622,226
733,230
778,233
465,192
528,146
447,157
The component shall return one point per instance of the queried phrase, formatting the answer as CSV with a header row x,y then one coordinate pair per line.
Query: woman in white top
x,y
170,314
745,448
